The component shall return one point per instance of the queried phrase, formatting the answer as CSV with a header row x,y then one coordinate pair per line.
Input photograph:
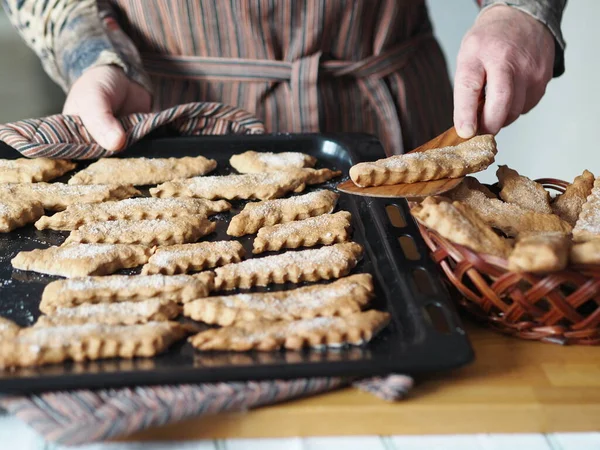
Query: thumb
x,y
98,118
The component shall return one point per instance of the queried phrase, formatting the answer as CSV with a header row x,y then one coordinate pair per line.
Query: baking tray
x,y
425,333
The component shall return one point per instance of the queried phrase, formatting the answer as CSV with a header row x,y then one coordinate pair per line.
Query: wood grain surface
x,y
514,386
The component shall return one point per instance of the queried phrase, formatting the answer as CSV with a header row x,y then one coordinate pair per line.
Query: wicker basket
x,y
560,307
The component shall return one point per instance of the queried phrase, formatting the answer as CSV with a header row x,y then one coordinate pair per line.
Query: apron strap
x,y
302,77
62,136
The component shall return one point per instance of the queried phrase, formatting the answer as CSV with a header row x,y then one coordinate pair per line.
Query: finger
x,y
518,103
468,87
98,118
137,101
499,96
534,95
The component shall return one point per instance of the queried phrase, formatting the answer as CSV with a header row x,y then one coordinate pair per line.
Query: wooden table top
x,y
514,386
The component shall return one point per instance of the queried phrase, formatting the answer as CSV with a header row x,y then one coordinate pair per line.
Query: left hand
x,y
511,55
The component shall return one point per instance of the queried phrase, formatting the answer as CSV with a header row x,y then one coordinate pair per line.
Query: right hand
x,y
99,95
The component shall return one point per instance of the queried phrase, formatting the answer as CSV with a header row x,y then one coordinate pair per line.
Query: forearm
x,y
71,36
550,13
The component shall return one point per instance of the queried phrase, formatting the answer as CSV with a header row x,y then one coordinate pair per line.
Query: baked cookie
x,y
540,252
58,196
522,191
252,162
38,346
124,288
587,226
184,258
568,205
471,156
270,212
123,313
325,229
143,171
176,230
354,329
345,296
25,170
325,263
16,213
82,259
78,215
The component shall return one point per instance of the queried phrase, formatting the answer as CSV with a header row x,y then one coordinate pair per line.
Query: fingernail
x,y
466,130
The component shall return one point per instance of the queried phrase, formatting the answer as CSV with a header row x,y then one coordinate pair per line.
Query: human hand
x,y
511,55
99,95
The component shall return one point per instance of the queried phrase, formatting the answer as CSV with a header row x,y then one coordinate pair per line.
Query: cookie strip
x,y
8,328
177,230
24,170
538,253
251,186
82,259
471,156
143,171
510,218
193,257
587,226
124,288
58,196
78,215
16,213
326,229
270,212
568,205
522,191
586,252
339,298
460,224
324,263
38,346
253,162
355,329
124,313
474,184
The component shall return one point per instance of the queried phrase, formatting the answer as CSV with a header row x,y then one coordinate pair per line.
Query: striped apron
x,y
368,66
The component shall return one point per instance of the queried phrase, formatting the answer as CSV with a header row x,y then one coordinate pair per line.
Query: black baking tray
x,y
425,333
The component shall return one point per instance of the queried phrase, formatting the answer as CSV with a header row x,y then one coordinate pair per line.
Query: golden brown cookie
x,y
522,191
587,226
586,252
24,170
172,259
353,329
38,346
324,263
78,215
474,184
177,230
250,186
471,156
568,205
124,288
122,313
270,212
325,229
510,218
460,224
79,260
253,162
143,171
540,252
340,298
8,328
16,213
58,196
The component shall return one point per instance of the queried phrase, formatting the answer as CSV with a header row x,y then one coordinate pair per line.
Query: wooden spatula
x,y
412,190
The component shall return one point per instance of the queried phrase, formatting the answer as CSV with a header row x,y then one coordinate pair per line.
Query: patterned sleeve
x,y
550,13
70,36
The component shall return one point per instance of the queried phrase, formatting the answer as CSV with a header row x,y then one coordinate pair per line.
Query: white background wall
x,y
558,138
